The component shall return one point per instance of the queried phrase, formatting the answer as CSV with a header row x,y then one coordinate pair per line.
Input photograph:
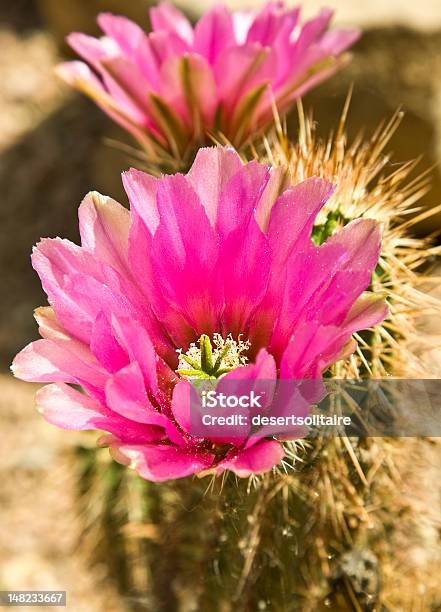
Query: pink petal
x,y
126,395
341,293
212,168
297,59
245,266
292,216
78,286
278,183
214,33
126,33
270,22
141,189
65,407
242,21
258,377
139,347
48,326
263,369
300,83
244,262
187,268
91,49
239,197
79,75
291,221
133,43
292,398
181,405
187,85
104,350
104,229
302,357
105,346
173,325
239,69
304,287
167,17
335,42
129,89
158,462
368,311
315,346
311,31
164,45
361,239
259,458
59,361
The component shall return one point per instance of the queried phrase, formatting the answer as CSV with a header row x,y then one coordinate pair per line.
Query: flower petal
x,y
367,311
80,76
105,346
159,462
126,33
271,22
141,189
292,217
257,459
289,231
104,229
187,85
139,347
79,286
170,19
212,168
126,395
245,266
214,33
59,361
65,407
239,69
187,268
239,197
91,49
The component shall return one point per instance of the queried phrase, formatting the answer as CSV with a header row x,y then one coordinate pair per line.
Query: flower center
x,y
212,358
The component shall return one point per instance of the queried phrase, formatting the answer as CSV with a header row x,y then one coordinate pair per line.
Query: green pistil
x,y
212,360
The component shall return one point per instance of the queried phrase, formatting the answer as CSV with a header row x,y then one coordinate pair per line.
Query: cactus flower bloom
x,y
173,86
212,273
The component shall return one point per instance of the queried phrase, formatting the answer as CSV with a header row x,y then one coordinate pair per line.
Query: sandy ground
x,y
40,529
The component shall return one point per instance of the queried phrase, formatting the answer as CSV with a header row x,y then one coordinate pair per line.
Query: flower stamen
x,y
212,358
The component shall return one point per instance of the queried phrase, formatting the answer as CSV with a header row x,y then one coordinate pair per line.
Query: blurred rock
x,y
29,90
392,68
20,15
65,16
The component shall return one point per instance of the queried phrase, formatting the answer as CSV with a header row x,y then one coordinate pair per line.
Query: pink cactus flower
x,y
216,265
172,87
